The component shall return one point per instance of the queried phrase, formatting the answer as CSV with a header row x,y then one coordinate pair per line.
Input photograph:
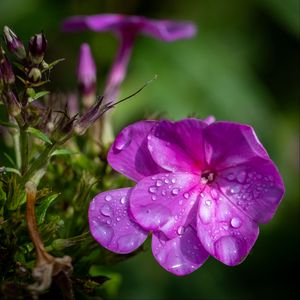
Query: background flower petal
x,y
103,22
224,231
129,153
110,224
165,202
228,144
255,187
181,255
169,30
178,146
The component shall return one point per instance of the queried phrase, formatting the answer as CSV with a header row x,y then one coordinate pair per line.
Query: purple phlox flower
x,y
127,28
86,71
202,188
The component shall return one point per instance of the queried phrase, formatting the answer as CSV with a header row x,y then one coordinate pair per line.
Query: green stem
x,y
16,138
24,150
39,163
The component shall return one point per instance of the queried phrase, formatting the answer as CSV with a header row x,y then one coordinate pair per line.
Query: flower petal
x,y
110,224
161,29
254,187
181,255
168,30
165,202
228,144
129,153
103,22
224,231
178,146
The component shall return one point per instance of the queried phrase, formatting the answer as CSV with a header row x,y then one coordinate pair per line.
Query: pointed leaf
x,y
38,134
42,208
38,95
62,152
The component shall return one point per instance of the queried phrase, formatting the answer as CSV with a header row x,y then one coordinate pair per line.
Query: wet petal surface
x,y
110,224
129,153
181,255
165,202
254,187
224,231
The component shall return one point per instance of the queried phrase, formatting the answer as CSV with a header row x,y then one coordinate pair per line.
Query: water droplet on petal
x,y
175,192
108,197
103,233
152,189
186,195
108,221
159,182
241,177
153,197
123,139
164,193
231,176
208,202
234,190
106,210
180,230
118,219
123,200
235,222
230,250
173,180
128,243
167,181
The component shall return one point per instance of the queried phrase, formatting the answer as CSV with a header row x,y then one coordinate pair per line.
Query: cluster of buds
x,y
30,63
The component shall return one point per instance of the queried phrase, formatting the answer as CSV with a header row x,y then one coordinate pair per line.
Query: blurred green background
x,y
242,66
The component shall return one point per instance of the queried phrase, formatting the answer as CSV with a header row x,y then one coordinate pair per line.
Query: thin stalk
x,y
16,138
24,150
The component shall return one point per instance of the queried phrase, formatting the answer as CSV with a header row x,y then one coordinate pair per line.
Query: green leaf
x,y
9,159
62,152
38,134
8,124
42,208
38,95
51,65
9,170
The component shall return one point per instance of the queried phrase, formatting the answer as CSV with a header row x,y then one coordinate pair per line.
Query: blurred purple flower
x,y
202,189
127,28
86,71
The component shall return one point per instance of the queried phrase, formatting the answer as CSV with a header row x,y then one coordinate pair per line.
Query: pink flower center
x,y
207,177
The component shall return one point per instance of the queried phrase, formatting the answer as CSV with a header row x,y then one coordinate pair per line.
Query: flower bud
x,y
12,104
6,72
35,74
89,118
13,43
37,48
86,71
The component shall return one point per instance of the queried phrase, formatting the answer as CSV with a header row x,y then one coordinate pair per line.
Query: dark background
x,y
242,66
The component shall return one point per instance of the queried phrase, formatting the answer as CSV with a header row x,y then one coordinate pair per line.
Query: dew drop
x,y
235,222
231,176
108,221
108,198
128,243
180,230
186,195
123,200
106,210
118,219
167,180
103,233
159,182
234,190
241,177
123,139
173,180
208,202
153,197
164,193
175,192
152,189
